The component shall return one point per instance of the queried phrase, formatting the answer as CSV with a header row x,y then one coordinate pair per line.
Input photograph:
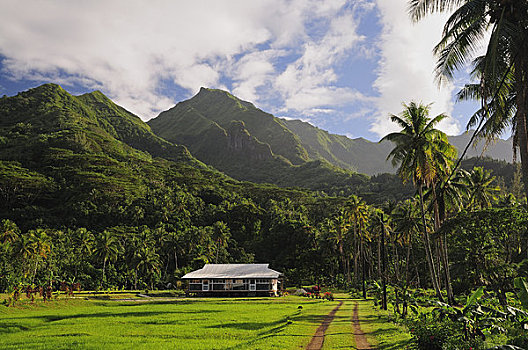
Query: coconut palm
x,y
481,190
381,225
106,248
359,212
407,222
423,155
502,71
338,229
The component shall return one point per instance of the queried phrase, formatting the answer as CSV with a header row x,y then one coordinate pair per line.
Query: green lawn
x,y
380,331
257,323
190,323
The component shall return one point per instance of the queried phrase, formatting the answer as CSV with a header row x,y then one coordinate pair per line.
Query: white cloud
x,y
126,48
129,49
406,67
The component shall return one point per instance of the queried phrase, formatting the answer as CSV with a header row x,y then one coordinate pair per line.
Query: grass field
x,y
189,323
267,323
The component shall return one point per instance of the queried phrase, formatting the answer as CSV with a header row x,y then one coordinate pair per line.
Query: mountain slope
x,y
187,121
248,144
66,153
369,157
499,149
359,155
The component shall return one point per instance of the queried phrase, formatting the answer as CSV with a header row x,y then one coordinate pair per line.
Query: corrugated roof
x,y
233,271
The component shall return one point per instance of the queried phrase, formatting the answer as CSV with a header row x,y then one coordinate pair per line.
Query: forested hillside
x,y
82,169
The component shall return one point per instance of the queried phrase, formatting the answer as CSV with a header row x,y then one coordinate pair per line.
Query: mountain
x,y
358,154
498,149
369,157
63,155
248,144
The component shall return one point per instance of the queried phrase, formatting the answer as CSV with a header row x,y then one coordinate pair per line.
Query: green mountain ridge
x,y
59,148
358,154
248,144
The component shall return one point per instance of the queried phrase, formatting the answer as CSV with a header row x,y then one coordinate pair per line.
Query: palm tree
x,y
359,212
481,191
407,222
423,154
9,231
148,262
382,226
221,235
107,249
41,243
338,228
502,71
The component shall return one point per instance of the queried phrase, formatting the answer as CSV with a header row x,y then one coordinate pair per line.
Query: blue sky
x,y
341,65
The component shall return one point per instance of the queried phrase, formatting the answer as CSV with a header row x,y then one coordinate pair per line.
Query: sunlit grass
x,y
380,331
264,323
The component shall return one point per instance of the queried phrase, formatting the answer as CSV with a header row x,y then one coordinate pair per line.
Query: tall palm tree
x,y
381,225
359,213
338,229
481,190
41,243
502,71
107,249
407,222
221,235
422,154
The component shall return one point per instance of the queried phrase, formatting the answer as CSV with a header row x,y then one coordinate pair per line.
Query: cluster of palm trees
x,y
424,157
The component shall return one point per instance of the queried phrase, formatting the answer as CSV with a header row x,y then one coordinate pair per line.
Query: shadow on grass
x,y
53,318
11,328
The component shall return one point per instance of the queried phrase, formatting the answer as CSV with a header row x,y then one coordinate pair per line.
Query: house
x,y
233,280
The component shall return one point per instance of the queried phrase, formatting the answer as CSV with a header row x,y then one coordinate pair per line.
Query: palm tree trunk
x,y
521,117
104,267
379,258
383,267
428,253
407,263
363,268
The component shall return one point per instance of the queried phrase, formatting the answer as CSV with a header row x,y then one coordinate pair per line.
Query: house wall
x,y
223,285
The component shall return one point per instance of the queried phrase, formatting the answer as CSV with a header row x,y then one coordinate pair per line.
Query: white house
x,y
233,279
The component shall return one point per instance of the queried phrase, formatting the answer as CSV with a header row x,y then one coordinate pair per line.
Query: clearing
x,y
192,323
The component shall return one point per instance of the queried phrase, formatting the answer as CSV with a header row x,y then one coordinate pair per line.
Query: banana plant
x,y
475,318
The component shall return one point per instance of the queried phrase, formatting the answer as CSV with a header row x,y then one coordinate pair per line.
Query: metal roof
x,y
233,271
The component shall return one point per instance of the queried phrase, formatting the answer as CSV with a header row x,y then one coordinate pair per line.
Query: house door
x,y
205,285
252,285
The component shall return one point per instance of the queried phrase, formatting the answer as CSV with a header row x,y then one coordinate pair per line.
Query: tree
x,y
382,226
338,228
407,222
107,249
422,153
221,235
481,191
359,212
502,71
41,246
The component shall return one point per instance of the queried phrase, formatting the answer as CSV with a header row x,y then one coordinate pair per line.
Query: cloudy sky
x,y
341,65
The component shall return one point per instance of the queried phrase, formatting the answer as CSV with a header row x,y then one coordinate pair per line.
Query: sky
x,y
343,66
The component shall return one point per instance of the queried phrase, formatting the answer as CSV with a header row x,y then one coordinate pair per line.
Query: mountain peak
x,y
45,89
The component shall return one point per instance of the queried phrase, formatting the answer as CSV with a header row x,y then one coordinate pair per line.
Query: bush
x,y
430,333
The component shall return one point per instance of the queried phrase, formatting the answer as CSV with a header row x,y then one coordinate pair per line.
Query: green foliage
x,y
486,246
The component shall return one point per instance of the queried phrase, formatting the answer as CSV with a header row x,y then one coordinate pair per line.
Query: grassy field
x,y
266,323
189,323
380,332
